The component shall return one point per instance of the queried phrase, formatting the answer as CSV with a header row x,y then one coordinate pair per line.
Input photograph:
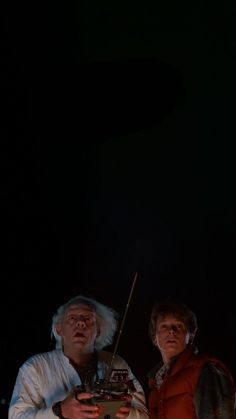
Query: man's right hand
x,y
78,406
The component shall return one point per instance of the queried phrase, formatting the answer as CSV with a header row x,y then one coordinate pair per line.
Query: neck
x,y
79,358
167,360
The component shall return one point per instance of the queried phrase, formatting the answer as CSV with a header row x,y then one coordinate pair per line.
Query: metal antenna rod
x,y
121,326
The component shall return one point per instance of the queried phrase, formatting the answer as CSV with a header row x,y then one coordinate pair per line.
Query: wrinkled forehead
x,y
80,308
170,318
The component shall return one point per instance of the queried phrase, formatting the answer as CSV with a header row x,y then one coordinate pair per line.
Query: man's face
x,y
172,336
78,328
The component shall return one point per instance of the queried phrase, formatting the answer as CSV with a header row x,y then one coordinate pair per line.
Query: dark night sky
x,y
118,156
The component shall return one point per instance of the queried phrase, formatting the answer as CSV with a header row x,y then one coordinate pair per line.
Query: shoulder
x,y
215,372
215,366
203,360
211,363
40,359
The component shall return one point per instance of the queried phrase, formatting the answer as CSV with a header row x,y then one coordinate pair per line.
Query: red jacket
x,y
175,397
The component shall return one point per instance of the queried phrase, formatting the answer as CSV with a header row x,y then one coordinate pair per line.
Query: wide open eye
x,y
89,320
180,327
176,327
71,319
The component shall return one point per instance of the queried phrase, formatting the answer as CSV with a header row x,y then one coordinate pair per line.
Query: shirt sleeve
x,y
215,394
26,401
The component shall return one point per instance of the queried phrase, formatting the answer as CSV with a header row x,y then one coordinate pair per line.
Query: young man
x,y
185,385
60,383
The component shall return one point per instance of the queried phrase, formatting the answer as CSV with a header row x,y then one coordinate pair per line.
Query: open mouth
x,y
79,335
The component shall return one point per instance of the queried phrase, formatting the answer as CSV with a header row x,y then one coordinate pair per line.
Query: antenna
x,y
121,326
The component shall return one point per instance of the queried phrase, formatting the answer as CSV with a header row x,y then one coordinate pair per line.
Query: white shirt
x,y
48,377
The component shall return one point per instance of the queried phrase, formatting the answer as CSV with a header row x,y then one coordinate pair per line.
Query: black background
x,y
117,156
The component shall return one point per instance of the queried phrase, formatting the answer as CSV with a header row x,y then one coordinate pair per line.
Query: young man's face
x,y
172,336
78,328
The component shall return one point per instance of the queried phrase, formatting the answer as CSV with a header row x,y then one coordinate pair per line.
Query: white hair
x,y
107,320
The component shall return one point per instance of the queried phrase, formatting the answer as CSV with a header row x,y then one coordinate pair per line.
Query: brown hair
x,y
177,309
